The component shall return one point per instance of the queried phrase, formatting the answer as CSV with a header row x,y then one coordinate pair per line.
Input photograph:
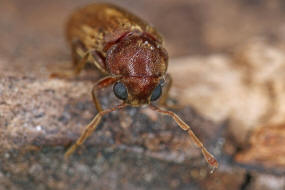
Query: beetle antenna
x,y
90,128
208,156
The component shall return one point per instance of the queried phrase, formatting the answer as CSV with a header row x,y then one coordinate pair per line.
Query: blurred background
x,y
227,59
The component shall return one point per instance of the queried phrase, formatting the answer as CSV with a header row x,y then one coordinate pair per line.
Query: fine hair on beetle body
x,y
130,55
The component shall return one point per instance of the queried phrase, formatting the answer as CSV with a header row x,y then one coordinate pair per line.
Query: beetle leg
x,y
98,60
78,49
208,156
90,128
94,57
76,71
75,54
103,83
165,93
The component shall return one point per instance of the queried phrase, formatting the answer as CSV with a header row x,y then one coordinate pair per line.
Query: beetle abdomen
x,y
97,25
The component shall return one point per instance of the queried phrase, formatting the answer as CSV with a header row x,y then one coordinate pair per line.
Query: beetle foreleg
x,y
165,92
90,128
208,156
103,83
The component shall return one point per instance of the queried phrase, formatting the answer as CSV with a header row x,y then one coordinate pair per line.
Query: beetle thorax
x,y
136,56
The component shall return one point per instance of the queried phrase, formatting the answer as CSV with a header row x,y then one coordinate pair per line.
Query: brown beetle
x,y
129,52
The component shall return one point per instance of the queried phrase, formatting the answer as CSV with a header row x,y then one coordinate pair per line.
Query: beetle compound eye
x,y
120,91
156,93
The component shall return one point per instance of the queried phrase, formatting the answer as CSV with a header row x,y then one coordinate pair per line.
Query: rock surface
x,y
40,118
251,82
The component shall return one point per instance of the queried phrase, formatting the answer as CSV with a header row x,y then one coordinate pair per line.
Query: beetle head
x,y
138,90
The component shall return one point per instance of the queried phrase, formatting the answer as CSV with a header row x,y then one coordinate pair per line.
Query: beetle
x,y
129,52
